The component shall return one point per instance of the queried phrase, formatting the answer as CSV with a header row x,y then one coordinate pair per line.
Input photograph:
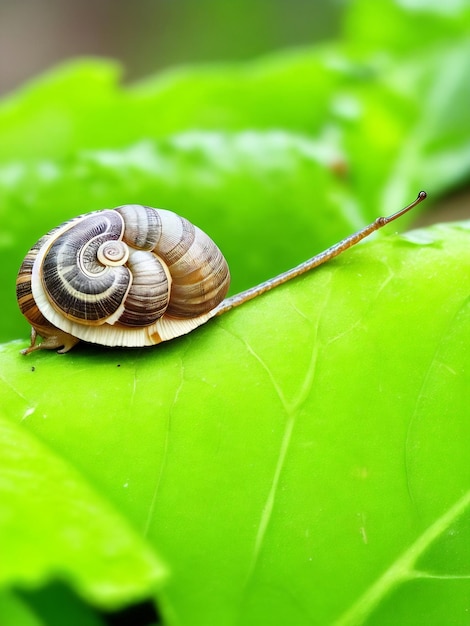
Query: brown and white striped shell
x,y
130,276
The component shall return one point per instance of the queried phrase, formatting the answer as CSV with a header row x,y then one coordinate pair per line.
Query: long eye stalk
x,y
315,261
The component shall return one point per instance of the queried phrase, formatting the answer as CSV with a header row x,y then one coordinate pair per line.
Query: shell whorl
x,y
77,282
199,273
129,276
112,253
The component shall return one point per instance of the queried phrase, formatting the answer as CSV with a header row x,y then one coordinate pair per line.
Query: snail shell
x,y
130,276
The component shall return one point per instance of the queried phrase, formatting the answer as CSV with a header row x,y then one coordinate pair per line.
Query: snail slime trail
x,y
135,276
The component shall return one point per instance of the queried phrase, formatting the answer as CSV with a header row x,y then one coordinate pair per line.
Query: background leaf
x,y
401,28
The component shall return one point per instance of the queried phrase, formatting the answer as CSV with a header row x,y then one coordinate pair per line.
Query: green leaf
x,y
83,542
301,459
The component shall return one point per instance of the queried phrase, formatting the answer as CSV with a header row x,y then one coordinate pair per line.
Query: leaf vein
x,y
402,568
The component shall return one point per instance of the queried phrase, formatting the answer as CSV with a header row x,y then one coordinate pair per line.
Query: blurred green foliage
x,y
354,380
150,35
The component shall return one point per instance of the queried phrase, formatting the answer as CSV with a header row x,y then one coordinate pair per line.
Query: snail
x,y
136,276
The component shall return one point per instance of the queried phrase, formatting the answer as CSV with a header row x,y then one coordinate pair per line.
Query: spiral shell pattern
x,y
133,275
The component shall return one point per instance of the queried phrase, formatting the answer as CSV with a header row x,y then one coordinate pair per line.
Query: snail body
x,y
135,276
130,276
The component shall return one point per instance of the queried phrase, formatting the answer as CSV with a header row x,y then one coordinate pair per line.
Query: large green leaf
x,y
303,459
